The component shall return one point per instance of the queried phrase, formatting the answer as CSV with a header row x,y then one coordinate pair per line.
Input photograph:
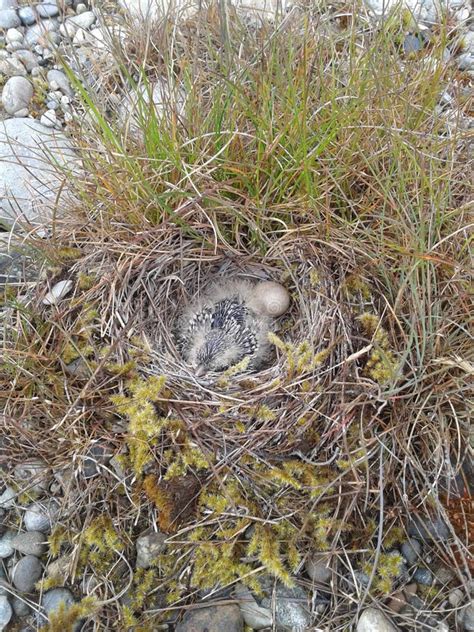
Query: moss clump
x,y
389,568
381,365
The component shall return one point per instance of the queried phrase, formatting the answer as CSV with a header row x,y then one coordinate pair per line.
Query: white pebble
x,y
80,37
48,119
14,35
81,8
57,292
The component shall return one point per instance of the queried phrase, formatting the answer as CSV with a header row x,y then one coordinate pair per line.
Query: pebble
x,y
430,529
21,113
6,612
83,20
6,544
34,474
397,602
442,574
81,8
40,31
9,19
27,15
149,546
12,67
60,81
423,576
7,499
52,104
212,619
8,4
14,35
30,543
466,61
317,567
412,43
27,58
411,550
40,516
47,9
372,620
20,607
26,573
80,37
255,616
289,604
52,601
57,292
466,617
48,119
456,597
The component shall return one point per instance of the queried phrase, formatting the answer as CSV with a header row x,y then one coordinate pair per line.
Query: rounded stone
x,y
41,516
423,576
7,499
149,546
26,573
430,529
27,15
55,597
212,619
30,543
372,620
12,67
9,19
13,35
317,567
59,80
8,4
255,616
20,607
411,550
6,545
17,94
47,9
6,612
27,58
48,119
466,617
40,32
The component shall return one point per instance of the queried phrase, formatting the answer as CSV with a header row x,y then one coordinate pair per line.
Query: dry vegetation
x,y
308,152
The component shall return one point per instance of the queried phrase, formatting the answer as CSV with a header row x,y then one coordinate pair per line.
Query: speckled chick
x,y
229,322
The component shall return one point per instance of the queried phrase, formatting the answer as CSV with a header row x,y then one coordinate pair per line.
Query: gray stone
x,y
48,119
23,113
47,9
17,94
412,43
429,529
9,19
442,574
7,498
13,35
372,620
11,47
83,20
8,4
423,576
30,543
317,567
411,550
466,617
6,612
27,58
255,616
20,607
466,61
149,546
33,475
12,67
27,15
26,573
41,516
52,601
289,604
52,104
29,184
212,619
6,544
61,81
81,8
40,32
456,597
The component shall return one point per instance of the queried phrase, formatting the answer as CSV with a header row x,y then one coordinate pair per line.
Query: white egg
x,y
271,298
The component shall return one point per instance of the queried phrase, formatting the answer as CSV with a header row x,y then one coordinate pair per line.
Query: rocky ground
x,y
39,106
